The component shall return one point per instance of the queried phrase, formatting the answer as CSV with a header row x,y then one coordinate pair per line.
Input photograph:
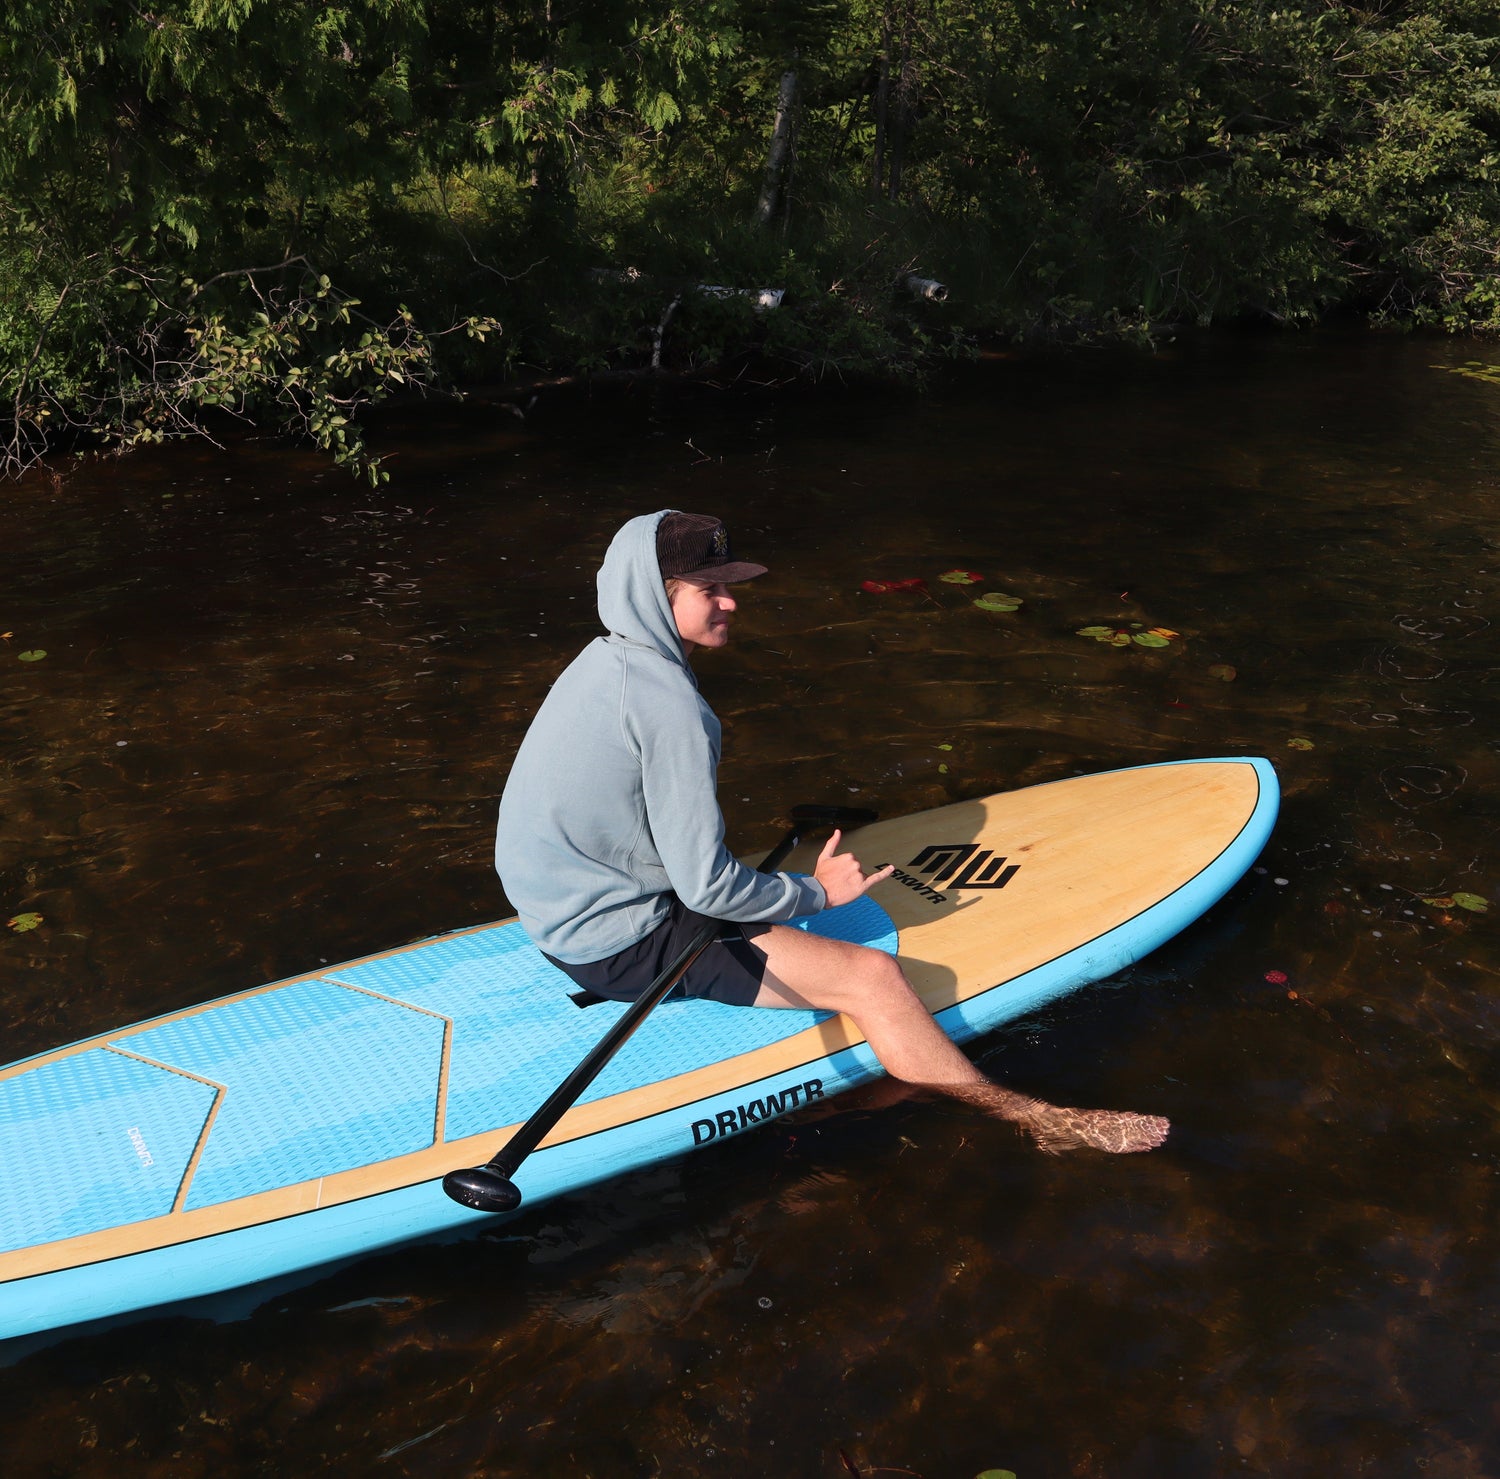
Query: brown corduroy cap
x,y
696,547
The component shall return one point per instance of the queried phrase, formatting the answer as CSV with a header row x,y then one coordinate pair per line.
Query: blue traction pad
x,y
319,1078
517,1034
92,1141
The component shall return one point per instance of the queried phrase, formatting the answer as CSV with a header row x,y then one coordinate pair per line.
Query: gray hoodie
x,y
612,802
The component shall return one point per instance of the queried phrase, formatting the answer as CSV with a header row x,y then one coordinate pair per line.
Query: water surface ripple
x,y
275,712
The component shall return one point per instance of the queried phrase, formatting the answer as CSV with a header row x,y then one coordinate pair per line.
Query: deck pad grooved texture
x,y
317,1079
517,1033
93,1141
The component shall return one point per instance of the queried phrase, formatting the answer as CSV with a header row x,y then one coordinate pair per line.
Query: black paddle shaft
x,y
489,1188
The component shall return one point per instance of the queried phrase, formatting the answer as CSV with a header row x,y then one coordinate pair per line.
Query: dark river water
x,y
269,730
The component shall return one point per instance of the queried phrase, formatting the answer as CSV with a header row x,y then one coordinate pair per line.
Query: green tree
x,y
286,210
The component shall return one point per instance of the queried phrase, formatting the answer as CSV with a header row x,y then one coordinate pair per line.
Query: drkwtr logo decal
x,y
964,865
956,865
742,1116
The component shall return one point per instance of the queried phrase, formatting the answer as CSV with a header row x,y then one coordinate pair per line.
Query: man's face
x,y
702,612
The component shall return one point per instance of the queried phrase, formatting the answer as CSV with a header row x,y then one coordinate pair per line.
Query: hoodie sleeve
x,y
679,756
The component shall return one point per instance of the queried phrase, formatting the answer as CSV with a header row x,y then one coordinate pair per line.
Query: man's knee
x,y
837,974
864,963
880,971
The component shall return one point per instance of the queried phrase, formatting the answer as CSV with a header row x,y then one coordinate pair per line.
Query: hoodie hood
x,y
633,602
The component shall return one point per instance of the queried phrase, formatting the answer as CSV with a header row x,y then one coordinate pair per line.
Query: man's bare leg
x,y
805,970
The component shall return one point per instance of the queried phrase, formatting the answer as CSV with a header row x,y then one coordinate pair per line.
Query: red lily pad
x,y
882,587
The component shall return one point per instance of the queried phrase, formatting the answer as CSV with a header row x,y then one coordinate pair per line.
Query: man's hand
x,y
842,877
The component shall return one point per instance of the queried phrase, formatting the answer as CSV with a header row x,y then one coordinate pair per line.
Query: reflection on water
x,y
274,715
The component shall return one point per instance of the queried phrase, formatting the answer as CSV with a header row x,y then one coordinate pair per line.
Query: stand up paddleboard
x,y
311,1120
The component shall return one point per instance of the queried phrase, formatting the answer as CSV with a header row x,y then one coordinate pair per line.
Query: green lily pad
x,y
20,923
1223,672
1150,639
997,601
997,1474
1474,903
1474,370
1298,743
961,577
35,655
1110,636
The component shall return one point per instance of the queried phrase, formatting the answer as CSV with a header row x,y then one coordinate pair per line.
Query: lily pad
x,y
1474,370
35,655
1474,903
1224,672
20,923
881,587
1298,743
997,601
1110,636
961,577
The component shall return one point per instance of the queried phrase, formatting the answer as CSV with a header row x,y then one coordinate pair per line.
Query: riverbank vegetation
x,y
287,211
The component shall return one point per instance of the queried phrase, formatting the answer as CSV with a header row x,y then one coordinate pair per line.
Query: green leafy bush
x,y
287,212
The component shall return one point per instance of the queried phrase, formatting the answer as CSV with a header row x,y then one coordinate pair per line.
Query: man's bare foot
x,y
1114,1130
1055,1129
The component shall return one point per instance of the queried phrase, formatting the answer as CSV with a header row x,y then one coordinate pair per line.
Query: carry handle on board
x,y
489,1188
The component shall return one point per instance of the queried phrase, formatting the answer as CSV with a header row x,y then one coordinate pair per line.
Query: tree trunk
x,y
905,100
882,106
781,148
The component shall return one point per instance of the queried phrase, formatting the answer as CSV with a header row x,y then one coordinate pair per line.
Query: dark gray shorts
x,y
729,971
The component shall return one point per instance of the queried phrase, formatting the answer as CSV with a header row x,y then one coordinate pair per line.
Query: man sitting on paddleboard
x,y
611,842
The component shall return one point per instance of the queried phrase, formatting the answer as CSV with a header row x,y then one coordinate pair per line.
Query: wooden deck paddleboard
x,y
311,1120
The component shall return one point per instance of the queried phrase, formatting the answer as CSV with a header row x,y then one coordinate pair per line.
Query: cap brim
x,y
728,574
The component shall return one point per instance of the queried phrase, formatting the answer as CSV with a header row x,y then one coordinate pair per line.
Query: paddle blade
x,y
483,1189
